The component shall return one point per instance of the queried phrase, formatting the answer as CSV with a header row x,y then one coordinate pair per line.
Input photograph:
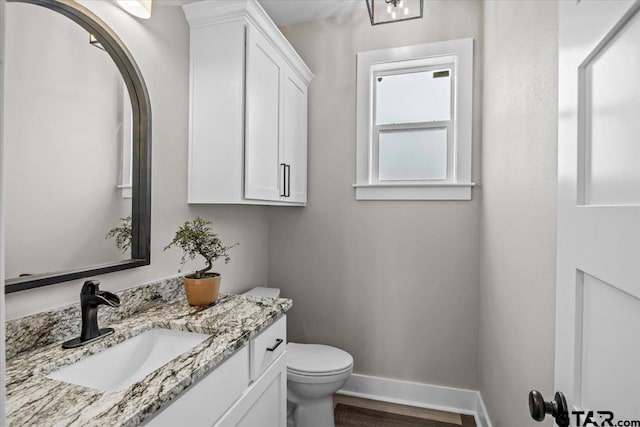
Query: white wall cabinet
x,y
248,108
249,389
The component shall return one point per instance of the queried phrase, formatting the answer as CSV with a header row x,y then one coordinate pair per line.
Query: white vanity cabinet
x,y
248,108
248,389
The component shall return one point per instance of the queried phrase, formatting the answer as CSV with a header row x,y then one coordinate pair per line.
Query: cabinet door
x,y
264,403
295,138
270,409
263,119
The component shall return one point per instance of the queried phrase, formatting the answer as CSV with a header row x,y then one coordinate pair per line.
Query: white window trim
x,y
126,145
458,184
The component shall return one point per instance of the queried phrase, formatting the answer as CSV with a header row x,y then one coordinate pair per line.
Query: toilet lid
x,y
317,358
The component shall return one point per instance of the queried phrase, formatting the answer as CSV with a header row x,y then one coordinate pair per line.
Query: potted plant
x,y
196,238
122,234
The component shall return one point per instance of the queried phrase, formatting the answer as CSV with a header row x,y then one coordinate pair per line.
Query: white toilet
x,y
314,373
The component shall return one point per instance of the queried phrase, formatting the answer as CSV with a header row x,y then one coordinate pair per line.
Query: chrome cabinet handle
x,y
276,345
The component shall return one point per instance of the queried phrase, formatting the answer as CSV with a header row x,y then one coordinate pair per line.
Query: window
x,y
126,144
414,122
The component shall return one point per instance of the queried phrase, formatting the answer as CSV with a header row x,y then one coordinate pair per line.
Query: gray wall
x,y
394,283
160,46
519,206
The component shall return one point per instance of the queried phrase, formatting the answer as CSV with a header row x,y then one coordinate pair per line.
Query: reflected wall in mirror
x,y
67,123
76,147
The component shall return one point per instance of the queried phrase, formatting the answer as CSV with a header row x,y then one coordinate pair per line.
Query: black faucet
x,y
90,298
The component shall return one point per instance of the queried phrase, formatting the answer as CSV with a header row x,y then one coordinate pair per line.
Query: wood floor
x,y
353,411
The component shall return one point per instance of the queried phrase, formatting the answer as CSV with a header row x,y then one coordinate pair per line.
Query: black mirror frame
x,y
141,109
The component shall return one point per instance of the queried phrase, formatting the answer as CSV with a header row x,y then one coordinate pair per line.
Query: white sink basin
x,y
123,364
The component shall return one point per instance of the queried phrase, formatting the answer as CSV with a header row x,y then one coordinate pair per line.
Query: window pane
x,y
413,97
416,154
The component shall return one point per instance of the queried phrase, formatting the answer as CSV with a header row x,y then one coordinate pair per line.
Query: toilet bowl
x,y
314,373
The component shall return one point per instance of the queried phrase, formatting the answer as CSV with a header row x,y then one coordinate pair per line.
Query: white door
x,y
295,139
263,125
2,330
598,281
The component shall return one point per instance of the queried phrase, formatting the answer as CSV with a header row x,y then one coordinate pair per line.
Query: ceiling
x,y
287,12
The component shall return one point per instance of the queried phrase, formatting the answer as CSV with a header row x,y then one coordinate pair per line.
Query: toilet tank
x,y
264,292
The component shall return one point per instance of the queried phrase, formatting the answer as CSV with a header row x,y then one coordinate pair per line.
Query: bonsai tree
x,y
196,238
122,234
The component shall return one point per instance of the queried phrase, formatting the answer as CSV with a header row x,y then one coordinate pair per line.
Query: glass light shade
x,y
386,11
138,8
93,41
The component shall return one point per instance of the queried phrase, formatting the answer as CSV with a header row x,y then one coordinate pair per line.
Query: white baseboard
x,y
467,402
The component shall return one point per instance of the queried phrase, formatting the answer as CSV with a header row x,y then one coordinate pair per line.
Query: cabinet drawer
x,y
201,404
266,347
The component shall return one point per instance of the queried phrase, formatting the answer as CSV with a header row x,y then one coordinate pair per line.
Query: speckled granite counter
x,y
34,400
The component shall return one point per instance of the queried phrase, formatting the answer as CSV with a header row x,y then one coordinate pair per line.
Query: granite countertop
x,y
34,400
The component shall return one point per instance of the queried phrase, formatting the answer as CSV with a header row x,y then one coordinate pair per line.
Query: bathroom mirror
x,y
77,147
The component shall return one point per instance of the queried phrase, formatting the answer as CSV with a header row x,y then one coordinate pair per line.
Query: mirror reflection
x,y
67,143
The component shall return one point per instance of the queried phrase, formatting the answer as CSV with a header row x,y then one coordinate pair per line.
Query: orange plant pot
x,y
202,291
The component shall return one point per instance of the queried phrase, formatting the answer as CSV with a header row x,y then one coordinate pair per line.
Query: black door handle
x,y
557,408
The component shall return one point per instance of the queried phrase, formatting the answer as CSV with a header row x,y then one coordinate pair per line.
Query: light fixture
x,y
93,41
139,8
386,11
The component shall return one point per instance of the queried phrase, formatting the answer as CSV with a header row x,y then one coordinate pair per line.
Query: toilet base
x,y
318,413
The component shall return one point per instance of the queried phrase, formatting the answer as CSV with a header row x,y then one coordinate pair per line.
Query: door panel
x,y
612,107
263,127
598,285
295,137
603,308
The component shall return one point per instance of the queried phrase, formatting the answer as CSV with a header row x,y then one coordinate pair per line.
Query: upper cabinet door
x,y
263,125
295,138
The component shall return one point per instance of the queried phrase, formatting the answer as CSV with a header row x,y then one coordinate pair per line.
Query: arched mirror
x,y
77,147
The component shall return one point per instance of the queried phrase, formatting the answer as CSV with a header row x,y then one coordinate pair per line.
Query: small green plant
x,y
122,234
196,238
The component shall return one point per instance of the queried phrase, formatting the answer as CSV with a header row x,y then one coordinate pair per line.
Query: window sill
x,y
417,191
127,190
